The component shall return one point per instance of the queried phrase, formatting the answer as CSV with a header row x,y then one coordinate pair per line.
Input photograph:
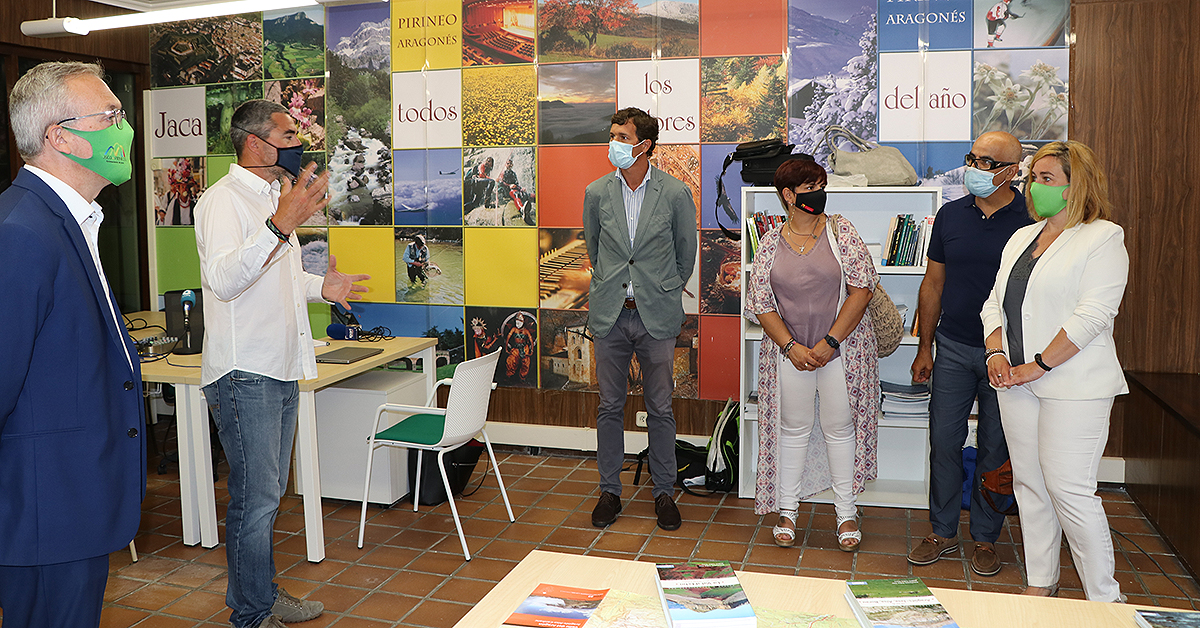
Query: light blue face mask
x,y
620,154
979,182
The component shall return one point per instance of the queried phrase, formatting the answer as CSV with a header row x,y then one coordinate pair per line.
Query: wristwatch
x,y
832,342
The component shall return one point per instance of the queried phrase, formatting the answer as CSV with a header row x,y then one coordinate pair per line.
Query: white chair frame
x,y
451,439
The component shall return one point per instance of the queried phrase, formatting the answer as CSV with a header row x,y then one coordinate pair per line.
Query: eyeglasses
x,y
986,163
112,116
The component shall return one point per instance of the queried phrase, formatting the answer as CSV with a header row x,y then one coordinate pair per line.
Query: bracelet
x,y
987,355
279,234
989,358
1037,357
788,347
832,342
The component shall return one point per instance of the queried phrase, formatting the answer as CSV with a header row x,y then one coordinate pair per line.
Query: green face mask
x,y
1048,199
111,148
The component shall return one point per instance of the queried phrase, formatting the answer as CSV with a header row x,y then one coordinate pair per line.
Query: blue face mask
x,y
979,182
620,154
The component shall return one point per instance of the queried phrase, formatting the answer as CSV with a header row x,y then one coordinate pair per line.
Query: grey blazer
x,y
659,263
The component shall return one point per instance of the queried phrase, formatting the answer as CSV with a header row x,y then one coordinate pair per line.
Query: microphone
x,y
337,331
187,300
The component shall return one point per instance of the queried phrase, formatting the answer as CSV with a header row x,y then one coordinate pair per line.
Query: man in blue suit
x,y
640,227
72,450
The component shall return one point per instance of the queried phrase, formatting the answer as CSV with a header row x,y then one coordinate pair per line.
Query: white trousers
x,y
798,394
1055,446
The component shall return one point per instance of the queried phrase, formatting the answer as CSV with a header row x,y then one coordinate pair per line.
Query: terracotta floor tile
x,y
721,550
880,564
463,590
193,575
149,568
618,542
359,622
486,569
413,584
388,607
118,587
570,537
339,599
362,576
834,560
120,617
199,605
388,556
323,571
437,613
676,548
153,597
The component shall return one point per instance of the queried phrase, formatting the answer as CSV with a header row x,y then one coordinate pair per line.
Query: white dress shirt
x,y
633,210
89,216
255,313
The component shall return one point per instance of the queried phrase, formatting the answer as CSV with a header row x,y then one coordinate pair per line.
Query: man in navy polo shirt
x,y
964,255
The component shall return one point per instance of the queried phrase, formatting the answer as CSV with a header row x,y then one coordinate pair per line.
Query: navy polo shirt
x,y
970,244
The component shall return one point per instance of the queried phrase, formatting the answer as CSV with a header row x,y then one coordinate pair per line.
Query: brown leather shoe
x,y
667,512
606,510
984,561
931,549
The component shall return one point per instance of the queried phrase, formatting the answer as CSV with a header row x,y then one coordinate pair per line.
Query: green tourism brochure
x,y
703,595
896,603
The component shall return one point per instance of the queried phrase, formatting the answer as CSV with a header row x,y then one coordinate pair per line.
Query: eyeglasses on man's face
x,y
985,163
110,117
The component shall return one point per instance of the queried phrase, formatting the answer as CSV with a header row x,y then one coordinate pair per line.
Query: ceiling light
x,y
64,26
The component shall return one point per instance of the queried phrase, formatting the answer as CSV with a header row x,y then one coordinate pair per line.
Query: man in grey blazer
x,y
640,226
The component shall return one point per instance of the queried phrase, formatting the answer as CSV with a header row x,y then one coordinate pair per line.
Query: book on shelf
x,y
1166,619
896,603
907,241
703,595
555,606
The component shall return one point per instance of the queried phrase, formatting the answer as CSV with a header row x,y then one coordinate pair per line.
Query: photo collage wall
x,y
474,126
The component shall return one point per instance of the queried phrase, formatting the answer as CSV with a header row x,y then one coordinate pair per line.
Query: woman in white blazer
x,y
1050,352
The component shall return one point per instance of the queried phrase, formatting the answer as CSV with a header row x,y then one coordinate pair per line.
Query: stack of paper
x,y
902,401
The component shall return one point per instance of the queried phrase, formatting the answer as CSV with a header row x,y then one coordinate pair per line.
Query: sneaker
x,y
606,510
931,549
291,609
272,621
984,561
667,512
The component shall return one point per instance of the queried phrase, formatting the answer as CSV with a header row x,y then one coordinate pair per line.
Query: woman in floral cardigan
x,y
809,289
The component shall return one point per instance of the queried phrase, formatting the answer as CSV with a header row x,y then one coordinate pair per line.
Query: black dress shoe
x,y
606,510
667,512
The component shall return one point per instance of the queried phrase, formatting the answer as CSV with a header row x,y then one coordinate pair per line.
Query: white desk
x,y
971,609
195,442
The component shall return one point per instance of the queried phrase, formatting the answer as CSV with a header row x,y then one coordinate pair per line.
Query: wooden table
x,y
971,609
195,442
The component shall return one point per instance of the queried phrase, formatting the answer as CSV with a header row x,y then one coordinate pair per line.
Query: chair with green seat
x,y
441,430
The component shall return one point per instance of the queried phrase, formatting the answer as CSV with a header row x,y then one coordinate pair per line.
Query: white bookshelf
x,y
903,444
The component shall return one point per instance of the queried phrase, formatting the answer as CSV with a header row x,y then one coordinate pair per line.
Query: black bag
x,y
760,159
721,468
688,457
460,464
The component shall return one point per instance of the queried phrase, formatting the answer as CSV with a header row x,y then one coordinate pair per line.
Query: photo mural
x,y
469,129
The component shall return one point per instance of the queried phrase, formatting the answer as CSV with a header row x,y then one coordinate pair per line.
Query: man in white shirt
x,y
257,342
72,447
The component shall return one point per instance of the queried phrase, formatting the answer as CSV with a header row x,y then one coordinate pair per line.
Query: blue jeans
x,y
959,376
256,421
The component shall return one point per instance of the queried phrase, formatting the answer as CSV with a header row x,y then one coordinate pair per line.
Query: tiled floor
x,y
411,571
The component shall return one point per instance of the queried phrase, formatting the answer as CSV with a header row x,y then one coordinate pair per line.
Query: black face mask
x,y
287,157
811,202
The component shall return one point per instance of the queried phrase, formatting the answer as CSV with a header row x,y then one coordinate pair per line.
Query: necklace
x,y
806,237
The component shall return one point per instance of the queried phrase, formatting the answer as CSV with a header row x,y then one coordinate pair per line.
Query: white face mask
x,y
620,154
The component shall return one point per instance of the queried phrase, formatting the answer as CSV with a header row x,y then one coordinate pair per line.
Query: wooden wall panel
x,y
1134,89
578,409
127,44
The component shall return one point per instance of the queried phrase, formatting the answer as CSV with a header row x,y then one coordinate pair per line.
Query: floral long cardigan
x,y
860,360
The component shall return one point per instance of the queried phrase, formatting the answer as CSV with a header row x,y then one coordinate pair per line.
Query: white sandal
x,y
855,535
788,534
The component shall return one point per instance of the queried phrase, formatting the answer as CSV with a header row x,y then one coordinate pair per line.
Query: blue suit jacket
x,y
658,263
72,449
